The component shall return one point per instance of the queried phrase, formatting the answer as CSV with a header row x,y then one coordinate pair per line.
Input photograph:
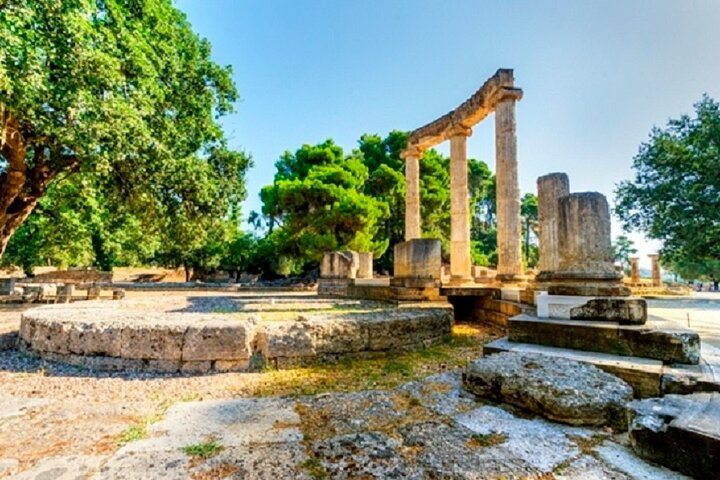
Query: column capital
x,y
459,130
508,94
411,151
653,256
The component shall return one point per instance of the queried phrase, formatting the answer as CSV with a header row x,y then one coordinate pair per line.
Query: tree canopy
x,y
124,92
675,195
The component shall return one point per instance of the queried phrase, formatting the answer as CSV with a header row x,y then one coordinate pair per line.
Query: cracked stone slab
x,y
11,406
62,468
559,389
230,422
542,444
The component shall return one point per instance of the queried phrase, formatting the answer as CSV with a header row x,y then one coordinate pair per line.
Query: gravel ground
x,y
50,410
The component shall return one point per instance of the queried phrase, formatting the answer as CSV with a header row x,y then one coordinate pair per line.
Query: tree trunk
x,y
20,187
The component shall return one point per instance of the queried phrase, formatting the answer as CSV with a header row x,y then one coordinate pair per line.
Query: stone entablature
x,y
472,111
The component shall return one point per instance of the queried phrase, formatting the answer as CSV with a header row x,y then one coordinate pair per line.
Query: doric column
x,y
460,263
550,189
509,227
656,278
412,193
635,269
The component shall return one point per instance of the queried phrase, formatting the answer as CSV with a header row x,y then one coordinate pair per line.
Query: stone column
x,y
509,227
586,257
550,189
656,278
412,193
634,270
460,263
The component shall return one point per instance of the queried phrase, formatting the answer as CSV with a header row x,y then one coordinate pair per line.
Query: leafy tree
x,y
623,249
120,88
386,182
317,200
675,195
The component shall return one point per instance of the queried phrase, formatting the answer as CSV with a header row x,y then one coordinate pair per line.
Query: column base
x,y
459,280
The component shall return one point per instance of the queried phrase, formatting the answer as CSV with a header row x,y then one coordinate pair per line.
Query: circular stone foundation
x,y
225,333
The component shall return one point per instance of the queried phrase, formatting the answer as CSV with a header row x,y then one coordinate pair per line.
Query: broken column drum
x,y
635,269
586,257
551,188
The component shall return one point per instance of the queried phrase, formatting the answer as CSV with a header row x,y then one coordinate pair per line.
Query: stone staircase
x,y
675,420
653,361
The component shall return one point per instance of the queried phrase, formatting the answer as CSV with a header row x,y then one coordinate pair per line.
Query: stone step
x,y
667,345
647,377
681,432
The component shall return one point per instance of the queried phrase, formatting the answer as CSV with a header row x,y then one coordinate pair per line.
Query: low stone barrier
x,y
103,335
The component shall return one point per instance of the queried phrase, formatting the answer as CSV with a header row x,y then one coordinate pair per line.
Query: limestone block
x,y
231,365
668,345
218,339
163,366
153,342
285,339
338,335
96,338
196,367
340,265
65,293
49,336
629,311
401,330
93,292
7,286
365,267
418,258
118,294
559,389
681,432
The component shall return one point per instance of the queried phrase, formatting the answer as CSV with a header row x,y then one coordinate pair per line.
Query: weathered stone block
x,y
48,336
668,345
285,339
401,330
93,292
96,338
196,367
365,266
418,258
630,311
340,265
118,294
65,293
218,339
578,335
681,432
231,365
556,388
7,286
338,335
153,342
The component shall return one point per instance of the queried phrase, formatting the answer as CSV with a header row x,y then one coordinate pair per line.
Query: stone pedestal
x,y
365,267
64,293
509,227
586,257
118,294
93,292
340,264
635,270
550,189
417,263
412,194
655,264
460,262
7,286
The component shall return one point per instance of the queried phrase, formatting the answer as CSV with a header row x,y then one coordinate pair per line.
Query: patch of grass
x,y
190,397
383,371
203,450
138,431
314,468
587,445
133,433
480,440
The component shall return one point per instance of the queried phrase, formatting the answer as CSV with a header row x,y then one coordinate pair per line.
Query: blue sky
x,y
597,75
